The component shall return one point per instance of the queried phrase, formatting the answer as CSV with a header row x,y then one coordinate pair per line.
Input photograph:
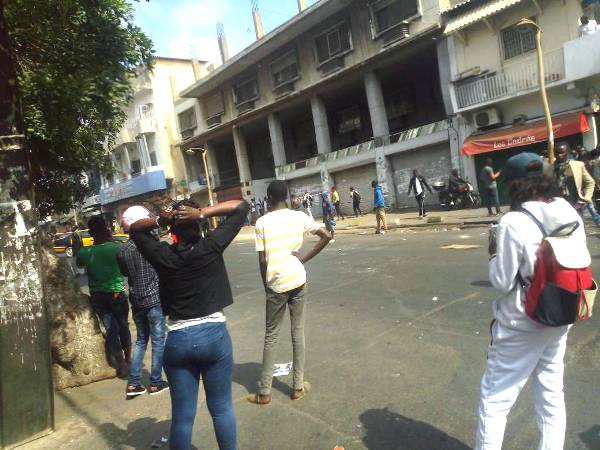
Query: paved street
x,y
396,337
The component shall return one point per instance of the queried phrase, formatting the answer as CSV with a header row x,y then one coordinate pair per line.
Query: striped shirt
x,y
279,234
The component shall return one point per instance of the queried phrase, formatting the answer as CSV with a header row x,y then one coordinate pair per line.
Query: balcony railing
x,y
510,80
364,147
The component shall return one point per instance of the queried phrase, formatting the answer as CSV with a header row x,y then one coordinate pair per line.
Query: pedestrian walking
x,y
279,238
575,183
328,212
355,197
418,184
307,202
194,291
266,205
488,179
335,198
146,310
107,292
379,206
522,348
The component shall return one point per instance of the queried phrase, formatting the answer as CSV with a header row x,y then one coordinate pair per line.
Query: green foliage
x,y
74,61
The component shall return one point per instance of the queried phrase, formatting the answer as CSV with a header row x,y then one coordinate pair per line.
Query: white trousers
x,y
513,357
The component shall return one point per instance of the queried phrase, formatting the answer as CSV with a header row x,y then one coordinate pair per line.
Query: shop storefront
x,y
499,145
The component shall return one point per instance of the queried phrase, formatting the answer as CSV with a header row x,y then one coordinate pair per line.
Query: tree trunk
x,y
26,402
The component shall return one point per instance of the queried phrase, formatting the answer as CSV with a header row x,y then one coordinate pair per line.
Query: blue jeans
x,y
592,209
190,352
150,324
114,313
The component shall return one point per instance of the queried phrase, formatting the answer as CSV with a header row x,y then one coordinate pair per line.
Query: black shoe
x,y
156,389
134,391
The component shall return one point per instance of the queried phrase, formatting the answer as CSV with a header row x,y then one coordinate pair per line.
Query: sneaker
x,y
156,389
134,391
332,241
382,232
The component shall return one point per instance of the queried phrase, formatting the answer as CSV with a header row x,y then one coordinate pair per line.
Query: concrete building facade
x,y
341,94
147,163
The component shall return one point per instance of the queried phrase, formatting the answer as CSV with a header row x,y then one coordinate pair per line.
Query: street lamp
x,y
192,151
542,83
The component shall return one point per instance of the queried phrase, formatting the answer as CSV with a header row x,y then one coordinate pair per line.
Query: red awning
x,y
526,134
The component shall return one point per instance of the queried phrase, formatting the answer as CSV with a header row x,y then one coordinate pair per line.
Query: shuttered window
x,y
334,42
214,106
245,91
386,14
285,69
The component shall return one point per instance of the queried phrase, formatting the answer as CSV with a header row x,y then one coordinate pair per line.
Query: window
x,y
517,41
285,69
335,42
187,123
214,106
387,14
136,167
246,91
146,111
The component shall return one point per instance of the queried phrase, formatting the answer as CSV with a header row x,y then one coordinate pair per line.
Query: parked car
x,y
63,243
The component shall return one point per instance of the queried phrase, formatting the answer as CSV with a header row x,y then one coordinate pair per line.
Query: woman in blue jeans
x,y
194,290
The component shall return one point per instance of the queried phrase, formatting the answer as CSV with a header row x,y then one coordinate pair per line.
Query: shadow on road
x,y
481,283
591,437
248,374
386,430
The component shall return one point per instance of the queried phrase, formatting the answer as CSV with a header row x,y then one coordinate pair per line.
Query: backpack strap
x,y
536,221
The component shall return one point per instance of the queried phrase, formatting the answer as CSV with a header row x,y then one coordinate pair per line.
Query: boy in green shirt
x,y
107,292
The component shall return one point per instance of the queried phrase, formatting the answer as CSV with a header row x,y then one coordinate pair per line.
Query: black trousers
x,y
356,207
421,202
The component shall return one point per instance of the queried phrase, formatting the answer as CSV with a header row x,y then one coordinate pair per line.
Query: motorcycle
x,y
466,197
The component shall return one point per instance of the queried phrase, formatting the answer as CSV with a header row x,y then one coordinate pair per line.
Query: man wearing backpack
x,y
522,348
355,197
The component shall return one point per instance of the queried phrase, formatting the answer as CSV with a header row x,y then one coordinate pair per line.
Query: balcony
x,y
125,136
142,84
137,185
145,124
364,150
511,80
580,61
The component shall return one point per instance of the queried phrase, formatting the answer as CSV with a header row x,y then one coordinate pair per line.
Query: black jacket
x,y
193,280
412,185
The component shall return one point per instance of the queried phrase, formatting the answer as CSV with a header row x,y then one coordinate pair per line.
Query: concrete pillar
x,y
321,124
277,144
385,177
241,155
127,161
326,181
213,168
379,120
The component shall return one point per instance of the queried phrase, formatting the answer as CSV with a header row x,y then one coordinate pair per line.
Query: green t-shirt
x,y
102,268
486,177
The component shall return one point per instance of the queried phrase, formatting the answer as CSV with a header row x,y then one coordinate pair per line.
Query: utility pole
x,y
26,406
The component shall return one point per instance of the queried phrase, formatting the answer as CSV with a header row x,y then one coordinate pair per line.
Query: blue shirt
x,y
378,200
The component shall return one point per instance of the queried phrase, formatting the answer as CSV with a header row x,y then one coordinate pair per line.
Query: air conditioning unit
x,y
488,118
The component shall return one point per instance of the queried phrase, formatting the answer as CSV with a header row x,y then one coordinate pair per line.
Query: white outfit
x,y
520,347
590,28
418,187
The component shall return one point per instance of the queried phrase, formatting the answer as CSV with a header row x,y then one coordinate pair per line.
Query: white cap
x,y
570,252
132,215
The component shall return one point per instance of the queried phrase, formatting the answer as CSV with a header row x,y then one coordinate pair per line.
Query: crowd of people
x,y
178,292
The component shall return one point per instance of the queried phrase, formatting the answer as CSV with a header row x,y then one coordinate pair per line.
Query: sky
x,y
186,28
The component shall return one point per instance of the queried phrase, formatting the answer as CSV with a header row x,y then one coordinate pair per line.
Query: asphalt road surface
x,y
396,332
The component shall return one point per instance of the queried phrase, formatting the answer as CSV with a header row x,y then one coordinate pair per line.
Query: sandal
x,y
259,399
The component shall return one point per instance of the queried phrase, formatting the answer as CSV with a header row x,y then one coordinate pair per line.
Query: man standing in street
x,y
488,179
355,197
146,309
379,205
335,199
279,237
575,182
418,184
107,292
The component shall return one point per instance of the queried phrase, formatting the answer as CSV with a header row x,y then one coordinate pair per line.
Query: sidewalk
x,y
408,219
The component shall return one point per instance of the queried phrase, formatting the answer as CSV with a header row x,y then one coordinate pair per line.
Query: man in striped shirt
x,y
279,237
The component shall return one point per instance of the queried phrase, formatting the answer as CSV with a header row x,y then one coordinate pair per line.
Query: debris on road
x,y
281,370
459,246
160,442
434,299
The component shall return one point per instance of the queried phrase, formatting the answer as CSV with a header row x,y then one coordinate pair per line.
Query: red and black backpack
x,y
562,289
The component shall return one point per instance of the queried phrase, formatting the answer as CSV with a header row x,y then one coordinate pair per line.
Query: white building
x,y
147,163
492,77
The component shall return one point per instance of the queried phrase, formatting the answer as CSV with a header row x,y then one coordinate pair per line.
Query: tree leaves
x,y
75,60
